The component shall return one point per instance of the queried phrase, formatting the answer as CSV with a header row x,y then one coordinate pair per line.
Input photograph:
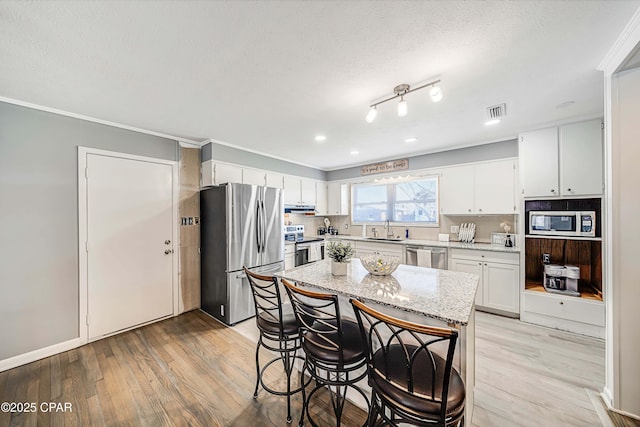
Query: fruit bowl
x,y
379,264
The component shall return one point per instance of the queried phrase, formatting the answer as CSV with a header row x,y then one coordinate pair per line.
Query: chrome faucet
x,y
387,226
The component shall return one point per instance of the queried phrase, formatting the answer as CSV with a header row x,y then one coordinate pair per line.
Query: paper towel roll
x,y
423,258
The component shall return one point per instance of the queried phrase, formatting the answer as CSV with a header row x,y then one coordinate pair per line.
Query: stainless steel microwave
x,y
563,223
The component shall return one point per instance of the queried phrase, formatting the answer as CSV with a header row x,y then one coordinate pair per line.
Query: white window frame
x,y
386,181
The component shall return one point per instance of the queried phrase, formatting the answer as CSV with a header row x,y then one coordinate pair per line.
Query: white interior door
x,y
129,243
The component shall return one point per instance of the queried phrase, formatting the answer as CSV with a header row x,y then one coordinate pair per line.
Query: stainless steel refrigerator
x,y
241,225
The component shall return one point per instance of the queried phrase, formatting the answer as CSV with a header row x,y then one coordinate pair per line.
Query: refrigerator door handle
x,y
258,233
264,226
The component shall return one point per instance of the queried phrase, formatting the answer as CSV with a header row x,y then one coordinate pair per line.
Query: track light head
x,y
372,114
402,108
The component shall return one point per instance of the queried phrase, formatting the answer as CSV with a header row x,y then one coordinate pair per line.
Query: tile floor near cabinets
x,y
191,370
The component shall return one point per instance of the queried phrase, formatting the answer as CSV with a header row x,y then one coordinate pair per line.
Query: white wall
x,y
625,285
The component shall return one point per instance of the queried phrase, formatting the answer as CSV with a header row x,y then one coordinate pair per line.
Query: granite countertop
x,y
456,245
441,294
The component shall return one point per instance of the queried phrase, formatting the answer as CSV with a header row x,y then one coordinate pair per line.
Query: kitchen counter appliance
x,y
241,225
563,223
561,279
426,256
308,249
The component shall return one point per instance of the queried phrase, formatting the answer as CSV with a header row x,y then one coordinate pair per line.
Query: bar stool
x,y
278,332
409,382
333,346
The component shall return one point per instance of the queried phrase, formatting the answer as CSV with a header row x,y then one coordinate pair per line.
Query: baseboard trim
x,y
607,402
32,356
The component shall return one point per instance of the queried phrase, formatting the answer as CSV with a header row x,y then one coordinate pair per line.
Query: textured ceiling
x,y
268,76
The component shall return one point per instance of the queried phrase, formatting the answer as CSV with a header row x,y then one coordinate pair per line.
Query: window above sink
x,y
412,201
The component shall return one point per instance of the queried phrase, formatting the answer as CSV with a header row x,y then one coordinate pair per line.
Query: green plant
x,y
339,251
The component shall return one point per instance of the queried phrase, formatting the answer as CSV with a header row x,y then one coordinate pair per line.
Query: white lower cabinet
x,y
567,313
289,256
498,289
366,248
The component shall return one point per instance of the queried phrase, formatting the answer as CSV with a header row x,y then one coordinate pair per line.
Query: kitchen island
x,y
418,294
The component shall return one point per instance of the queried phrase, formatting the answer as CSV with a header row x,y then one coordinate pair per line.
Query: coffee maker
x,y
561,279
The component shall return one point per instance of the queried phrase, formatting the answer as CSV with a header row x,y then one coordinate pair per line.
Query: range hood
x,y
299,209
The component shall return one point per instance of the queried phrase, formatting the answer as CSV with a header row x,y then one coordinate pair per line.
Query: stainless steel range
x,y
308,249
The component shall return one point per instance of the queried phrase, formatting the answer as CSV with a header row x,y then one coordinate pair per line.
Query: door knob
x,y
167,242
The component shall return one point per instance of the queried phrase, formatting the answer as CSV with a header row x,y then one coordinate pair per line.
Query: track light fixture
x,y
399,92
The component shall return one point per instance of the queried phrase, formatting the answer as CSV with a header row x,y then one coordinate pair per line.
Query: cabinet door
x,y
473,267
224,172
501,290
207,173
538,154
456,190
581,159
275,180
494,187
338,198
291,190
308,191
321,199
253,176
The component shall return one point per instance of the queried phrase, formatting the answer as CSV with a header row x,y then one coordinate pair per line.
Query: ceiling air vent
x,y
496,111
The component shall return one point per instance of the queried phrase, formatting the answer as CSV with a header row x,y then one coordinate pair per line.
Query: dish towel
x,y
423,258
314,252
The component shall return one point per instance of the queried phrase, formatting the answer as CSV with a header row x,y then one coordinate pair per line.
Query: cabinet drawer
x,y
486,256
289,249
569,308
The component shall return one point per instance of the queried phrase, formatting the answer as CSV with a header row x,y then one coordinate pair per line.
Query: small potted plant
x,y
340,254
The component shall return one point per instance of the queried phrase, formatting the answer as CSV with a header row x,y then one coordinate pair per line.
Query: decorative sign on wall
x,y
394,165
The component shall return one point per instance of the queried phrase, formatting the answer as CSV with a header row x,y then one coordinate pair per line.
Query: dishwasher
x,y
430,256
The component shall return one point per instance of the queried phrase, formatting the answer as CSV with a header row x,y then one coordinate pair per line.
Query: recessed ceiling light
x,y
354,152
412,139
320,138
492,122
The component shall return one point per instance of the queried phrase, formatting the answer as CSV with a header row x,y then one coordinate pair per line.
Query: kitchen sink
x,y
388,239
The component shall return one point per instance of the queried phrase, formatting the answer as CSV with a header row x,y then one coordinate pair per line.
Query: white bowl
x,y
379,264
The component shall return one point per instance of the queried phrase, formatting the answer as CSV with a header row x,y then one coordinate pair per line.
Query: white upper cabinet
x,y
456,191
299,191
291,190
275,180
224,172
495,187
321,198
253,176
562,161
581,158
307,191
479,189
538,153
338,198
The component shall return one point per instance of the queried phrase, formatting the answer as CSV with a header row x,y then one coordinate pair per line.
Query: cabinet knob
x,y
479,210
469,210
479,263
553,190
561,302
568,189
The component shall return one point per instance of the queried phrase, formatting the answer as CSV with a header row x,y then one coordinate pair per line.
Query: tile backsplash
x,y
485,225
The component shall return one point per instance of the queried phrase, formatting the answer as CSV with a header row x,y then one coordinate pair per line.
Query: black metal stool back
x,y
333,346
278,332
410,382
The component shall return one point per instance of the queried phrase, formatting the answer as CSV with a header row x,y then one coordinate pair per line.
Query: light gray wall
x,y
496,150
224,153
39,220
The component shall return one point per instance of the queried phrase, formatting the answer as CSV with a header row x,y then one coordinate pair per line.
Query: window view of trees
x,y
414,201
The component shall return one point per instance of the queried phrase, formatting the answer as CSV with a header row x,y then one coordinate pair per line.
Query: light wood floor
x,y
191,370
